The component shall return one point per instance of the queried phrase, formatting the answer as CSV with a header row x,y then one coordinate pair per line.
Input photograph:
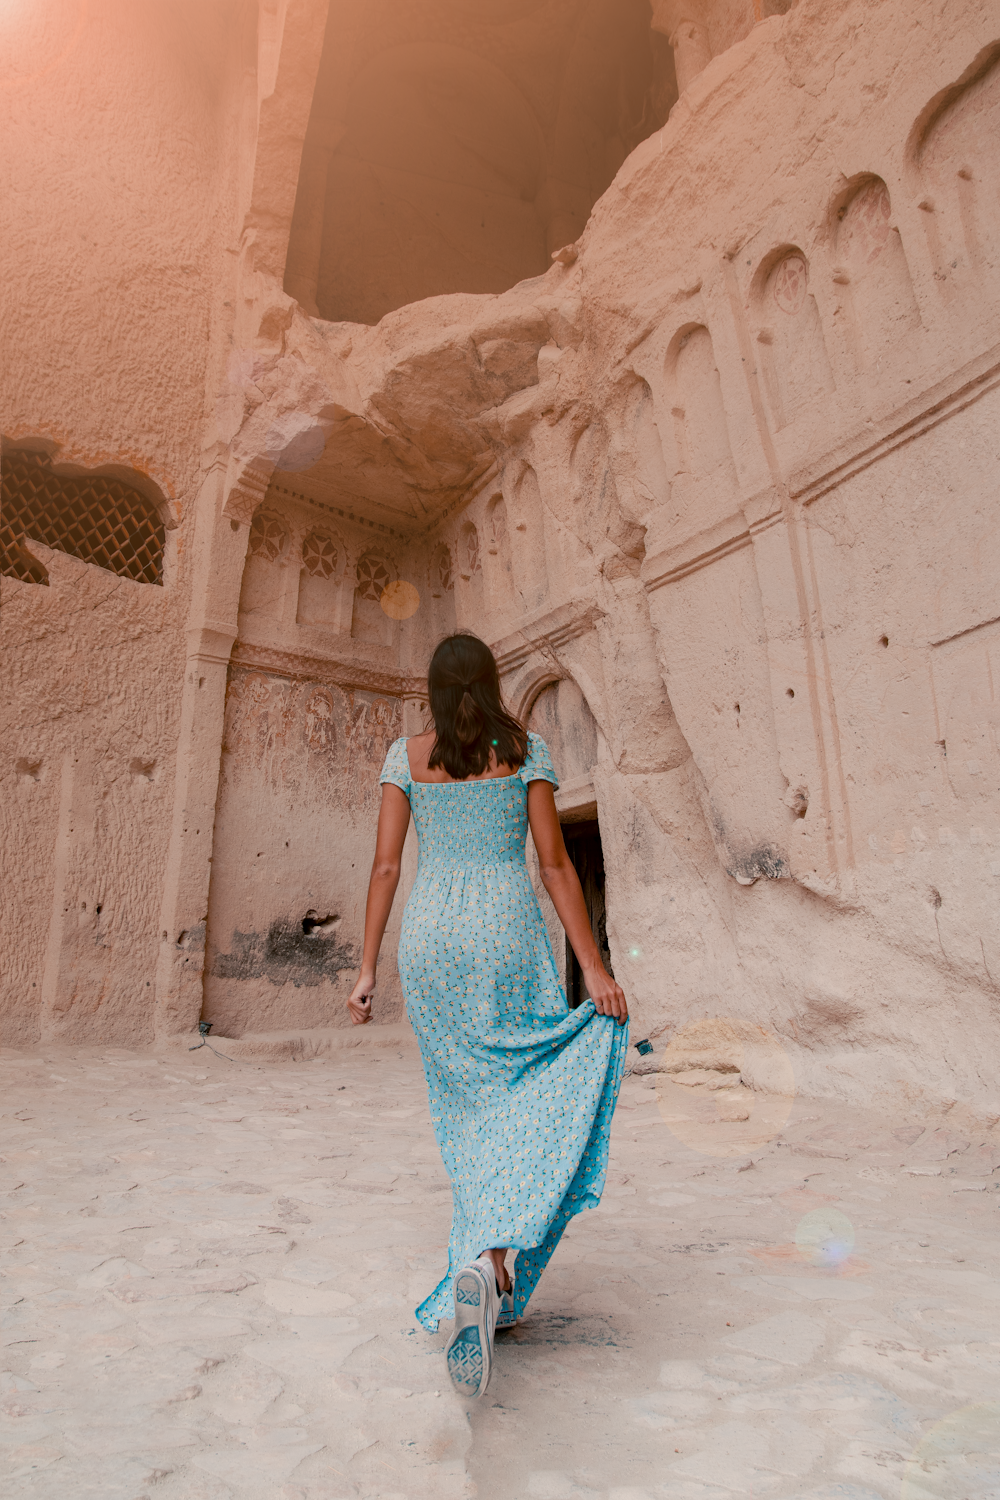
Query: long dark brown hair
x,y
470,718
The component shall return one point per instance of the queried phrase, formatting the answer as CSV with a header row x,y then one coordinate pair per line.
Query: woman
x,y
521,1087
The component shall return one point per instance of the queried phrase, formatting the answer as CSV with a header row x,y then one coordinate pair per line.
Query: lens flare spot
x,y
400,599
825,1236
958,1456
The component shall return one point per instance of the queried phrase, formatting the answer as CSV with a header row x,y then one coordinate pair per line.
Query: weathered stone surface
x,y
695,1336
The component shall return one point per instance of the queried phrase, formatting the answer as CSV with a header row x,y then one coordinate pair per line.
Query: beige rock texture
x,y
657,344
209,1271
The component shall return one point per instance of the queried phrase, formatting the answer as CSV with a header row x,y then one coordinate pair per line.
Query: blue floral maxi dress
x,y
521,1088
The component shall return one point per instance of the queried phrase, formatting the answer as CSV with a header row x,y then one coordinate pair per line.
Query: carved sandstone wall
x,y
724,473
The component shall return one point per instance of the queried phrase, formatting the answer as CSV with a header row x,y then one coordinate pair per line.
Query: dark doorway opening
x,y
583,844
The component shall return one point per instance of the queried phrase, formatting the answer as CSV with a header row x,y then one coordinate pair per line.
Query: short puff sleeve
x,y
396,770
538,762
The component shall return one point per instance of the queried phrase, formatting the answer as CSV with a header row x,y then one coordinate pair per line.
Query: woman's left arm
x,y
393,821
560,879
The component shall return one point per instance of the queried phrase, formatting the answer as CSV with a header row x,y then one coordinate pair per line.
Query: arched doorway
x,y
561,715
583,843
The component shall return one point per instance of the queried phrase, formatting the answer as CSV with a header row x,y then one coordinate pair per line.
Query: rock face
x,y
455,147
717,484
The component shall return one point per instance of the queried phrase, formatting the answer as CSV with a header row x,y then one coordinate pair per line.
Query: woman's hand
x,y
608,997
359,1001
563,885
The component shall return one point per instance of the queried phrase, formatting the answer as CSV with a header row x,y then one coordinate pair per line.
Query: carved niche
x,y
874,271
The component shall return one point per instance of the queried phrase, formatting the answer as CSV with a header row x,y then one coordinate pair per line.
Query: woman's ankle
x,y
497,1258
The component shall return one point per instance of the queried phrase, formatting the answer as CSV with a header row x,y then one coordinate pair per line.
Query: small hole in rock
x,y
789,692
234,525
98,909
142,770
314,925
883,640
29,769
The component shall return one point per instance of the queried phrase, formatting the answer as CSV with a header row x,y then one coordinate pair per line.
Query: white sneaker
x,y
507,1317
469,1355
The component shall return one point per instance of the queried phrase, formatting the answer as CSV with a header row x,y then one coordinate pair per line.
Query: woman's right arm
x,y
393,821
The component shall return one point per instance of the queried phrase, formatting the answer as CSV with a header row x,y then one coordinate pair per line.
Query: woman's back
x,y
475,822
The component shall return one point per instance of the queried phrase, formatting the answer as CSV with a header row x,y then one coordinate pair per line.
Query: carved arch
x,y
952,171
873,269
529,692
701,429
791,348
941,102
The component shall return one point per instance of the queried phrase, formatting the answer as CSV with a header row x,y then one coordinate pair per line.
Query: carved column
x,y
220,547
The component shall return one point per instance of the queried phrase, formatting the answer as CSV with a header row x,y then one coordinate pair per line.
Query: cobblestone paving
x,y
209,1271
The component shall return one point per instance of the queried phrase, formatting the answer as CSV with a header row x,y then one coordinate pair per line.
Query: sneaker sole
x,y
468,1354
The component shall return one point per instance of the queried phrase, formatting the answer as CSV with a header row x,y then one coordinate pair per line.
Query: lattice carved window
x,y
319,556
373,578
94,517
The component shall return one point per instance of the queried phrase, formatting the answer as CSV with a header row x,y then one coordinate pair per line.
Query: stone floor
x,y
209,1270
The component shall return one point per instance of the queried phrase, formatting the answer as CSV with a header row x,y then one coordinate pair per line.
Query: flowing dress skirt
x,y
521,1088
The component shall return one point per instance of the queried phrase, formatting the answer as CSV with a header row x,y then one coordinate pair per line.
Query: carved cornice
x,y
947,398
485,472
211,642
343,672
549,629
309,489
247,491
694,553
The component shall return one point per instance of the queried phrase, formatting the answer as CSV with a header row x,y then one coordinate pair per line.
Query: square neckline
x,y
469,781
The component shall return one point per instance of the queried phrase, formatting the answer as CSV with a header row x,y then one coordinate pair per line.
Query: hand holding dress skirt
x,y
521,1088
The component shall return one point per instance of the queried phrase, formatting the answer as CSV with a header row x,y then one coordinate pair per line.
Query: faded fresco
x,y
298,799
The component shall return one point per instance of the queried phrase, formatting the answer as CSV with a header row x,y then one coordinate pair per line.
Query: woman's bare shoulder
x,y
419,747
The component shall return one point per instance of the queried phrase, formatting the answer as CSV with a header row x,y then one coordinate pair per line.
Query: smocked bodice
x,y
471,823
462,823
